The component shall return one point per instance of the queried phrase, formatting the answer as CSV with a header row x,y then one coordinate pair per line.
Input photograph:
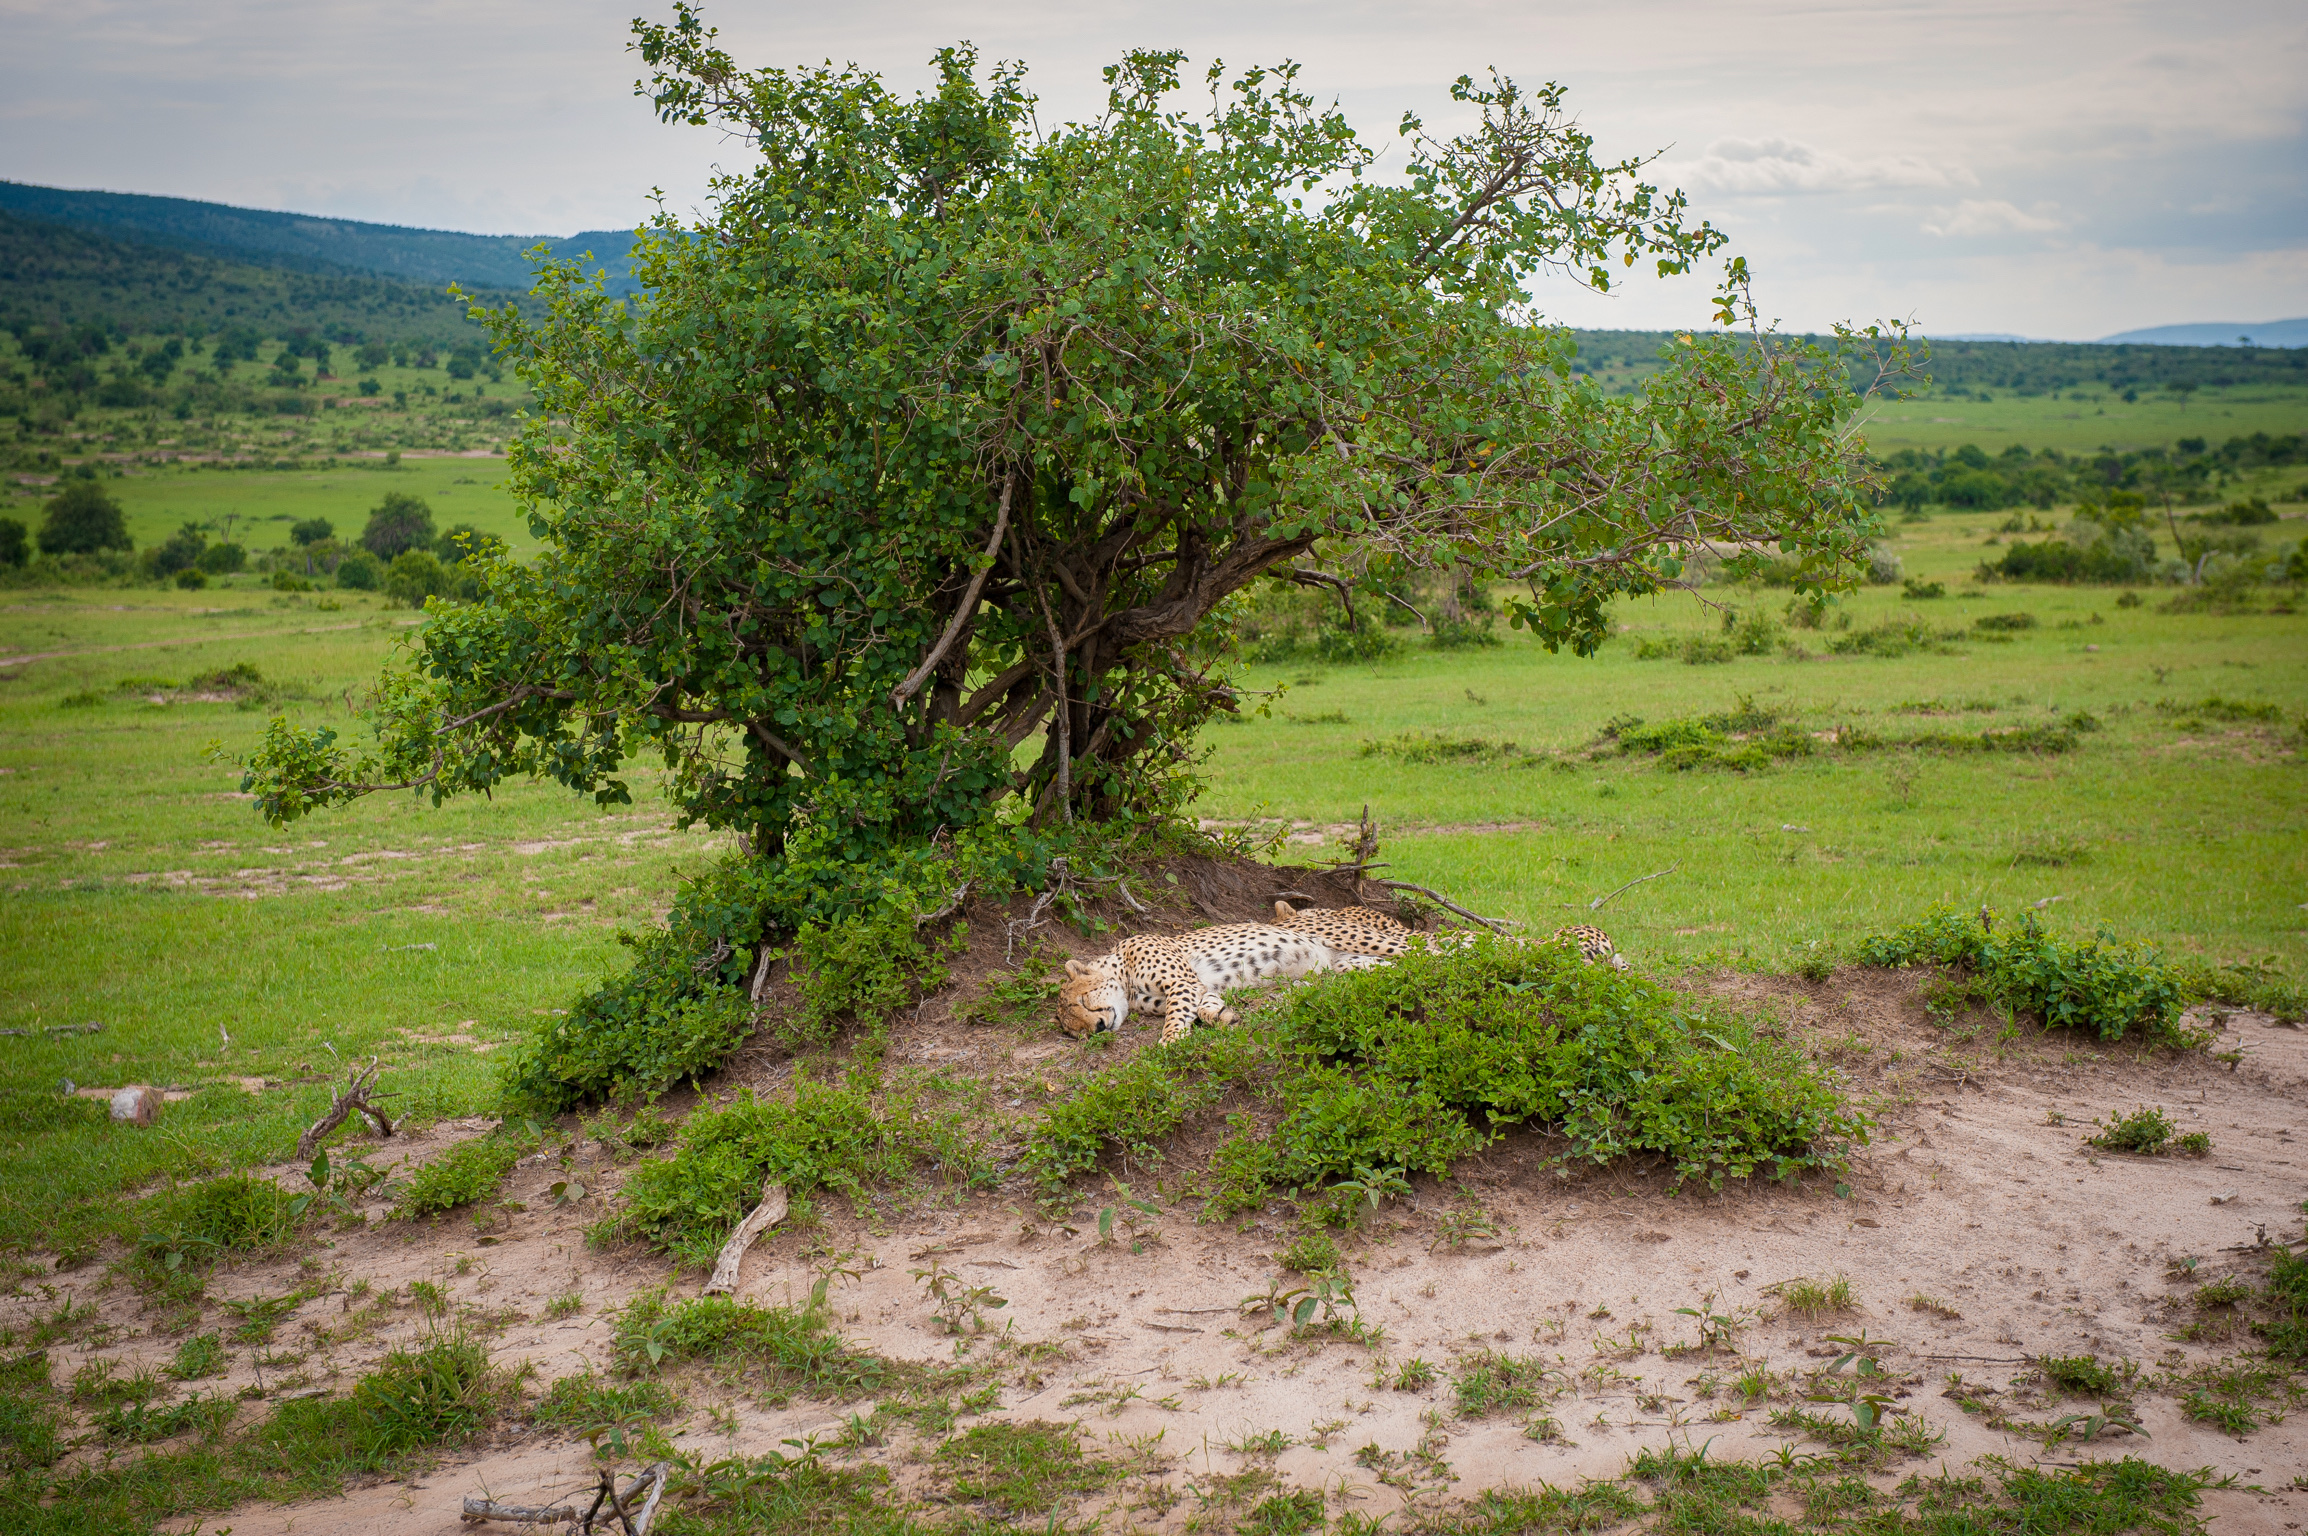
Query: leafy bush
x,y
2004,621
441,1392
584,1405
635,1034
1412,1066
399,522
2105,985
414,576
1366,642
2144,1130
1411,747
2091,552
1742,739
468,1171
186,1229
794,1348
1894,638
1464,634
2089,1376
826,1138
360,571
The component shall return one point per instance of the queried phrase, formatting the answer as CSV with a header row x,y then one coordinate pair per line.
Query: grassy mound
x,y
1413,1066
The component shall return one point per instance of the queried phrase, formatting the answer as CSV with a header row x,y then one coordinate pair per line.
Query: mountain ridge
x,y
403,252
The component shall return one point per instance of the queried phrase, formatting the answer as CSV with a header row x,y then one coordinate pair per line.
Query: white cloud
x,y
1776,165
1993,216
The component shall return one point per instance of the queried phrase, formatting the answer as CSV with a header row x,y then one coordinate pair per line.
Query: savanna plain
x,y
2042,1276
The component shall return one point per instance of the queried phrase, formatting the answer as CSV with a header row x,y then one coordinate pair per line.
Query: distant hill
x,y
51,275
2218,333
433,257
2028,367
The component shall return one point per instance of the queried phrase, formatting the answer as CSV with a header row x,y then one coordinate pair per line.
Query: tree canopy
x,y
400,522
81,519
949,432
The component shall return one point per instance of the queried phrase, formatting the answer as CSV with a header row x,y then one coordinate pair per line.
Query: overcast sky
x,y
2062,169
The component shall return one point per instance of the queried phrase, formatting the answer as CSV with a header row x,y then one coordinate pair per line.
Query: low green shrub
x,y
1894,638
2105,985
636,1034
185,1230
441,1392
584,1405
825,1138
1415,747
1022,1469
1413,1066
793,1349
2089,1376
468,1171
2005,622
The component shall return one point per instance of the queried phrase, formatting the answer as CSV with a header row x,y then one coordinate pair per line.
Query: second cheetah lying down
x,y
1184,978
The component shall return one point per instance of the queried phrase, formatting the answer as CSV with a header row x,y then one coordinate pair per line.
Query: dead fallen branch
x,y
1495,925
478,1511
1597,904
356,1097
760,1219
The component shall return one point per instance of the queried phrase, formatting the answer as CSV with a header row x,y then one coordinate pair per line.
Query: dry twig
x,y
356,1097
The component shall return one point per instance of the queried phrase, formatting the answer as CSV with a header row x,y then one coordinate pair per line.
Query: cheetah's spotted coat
x,y
1185,978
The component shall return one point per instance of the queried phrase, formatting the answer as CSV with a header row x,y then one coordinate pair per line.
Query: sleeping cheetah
x,y
1593,944
1185,976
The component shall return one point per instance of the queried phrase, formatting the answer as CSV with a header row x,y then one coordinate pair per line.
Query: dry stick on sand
x,y
353,1098
478,1510
768,1214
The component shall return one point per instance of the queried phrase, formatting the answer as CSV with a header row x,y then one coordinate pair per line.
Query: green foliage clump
x,y
415,575
15,542
468,1171
1415,747
1895,637
2145,1131
1412,1066
825,1138
1741,739
639,1033
360,571
400,522
185,1230
1486,1382
199,1356
2091,553
2089,1376
2104,985
584,1405
2004,622
81,520
1022,1469
441,1392
793,1349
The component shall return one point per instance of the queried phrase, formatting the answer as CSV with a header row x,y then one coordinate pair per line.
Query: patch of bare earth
x,y
1979,1232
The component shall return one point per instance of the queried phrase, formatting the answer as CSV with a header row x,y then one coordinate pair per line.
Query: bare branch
x,y
969,605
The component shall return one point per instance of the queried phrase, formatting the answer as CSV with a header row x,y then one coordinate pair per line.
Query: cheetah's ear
x,y
1285,911
1077,969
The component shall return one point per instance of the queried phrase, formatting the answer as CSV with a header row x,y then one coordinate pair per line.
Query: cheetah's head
x,y
1092,997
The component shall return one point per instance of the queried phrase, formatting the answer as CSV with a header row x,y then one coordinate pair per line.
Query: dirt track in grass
x,y
1978,1193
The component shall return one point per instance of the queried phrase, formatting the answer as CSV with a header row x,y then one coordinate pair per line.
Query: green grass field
x,y
2194,836
141,892
2080,426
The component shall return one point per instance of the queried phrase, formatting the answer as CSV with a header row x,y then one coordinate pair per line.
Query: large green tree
x,y
81,519
949,432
